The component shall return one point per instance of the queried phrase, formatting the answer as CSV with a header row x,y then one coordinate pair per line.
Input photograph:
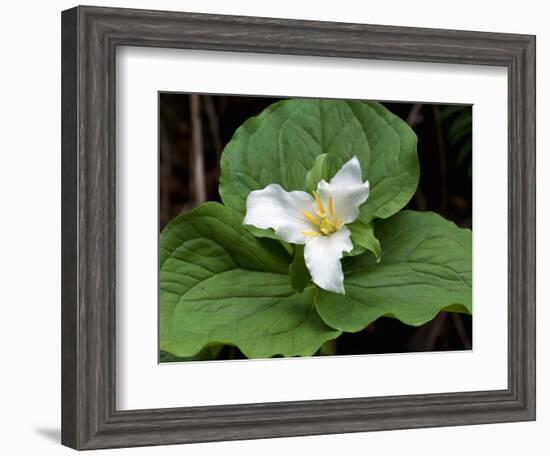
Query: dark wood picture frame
x,y
90,36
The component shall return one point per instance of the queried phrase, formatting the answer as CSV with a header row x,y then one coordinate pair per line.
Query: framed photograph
x,y
279,228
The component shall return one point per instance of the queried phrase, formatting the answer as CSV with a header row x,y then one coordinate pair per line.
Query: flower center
x,y
326,221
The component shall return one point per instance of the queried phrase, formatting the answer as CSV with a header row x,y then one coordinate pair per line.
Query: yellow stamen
x,y
331,207
311,233
326,223
310,217
325,227
319,203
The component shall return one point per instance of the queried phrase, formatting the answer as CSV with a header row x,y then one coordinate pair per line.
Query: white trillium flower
x,y
318,221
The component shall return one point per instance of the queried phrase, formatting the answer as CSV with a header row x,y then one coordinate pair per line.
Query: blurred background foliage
x,y
193,130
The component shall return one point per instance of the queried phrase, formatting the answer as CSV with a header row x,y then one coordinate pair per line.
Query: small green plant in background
x,y
311,240
459,132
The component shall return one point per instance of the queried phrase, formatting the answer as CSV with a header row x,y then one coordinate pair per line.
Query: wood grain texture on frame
x,y
90,36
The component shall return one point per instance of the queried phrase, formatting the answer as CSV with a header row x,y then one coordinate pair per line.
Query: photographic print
x,y
293,227
292,210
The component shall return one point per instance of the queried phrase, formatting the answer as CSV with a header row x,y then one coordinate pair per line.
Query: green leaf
x,y
461,127
450,110
426,267
394,171
281,145
299,274
317,173
269,233
206,354
363,238
221,285
464,151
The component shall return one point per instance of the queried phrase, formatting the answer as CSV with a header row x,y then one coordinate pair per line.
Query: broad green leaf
x,y
221,285
281,146
206,354
426,267
363,238
393,171
299,274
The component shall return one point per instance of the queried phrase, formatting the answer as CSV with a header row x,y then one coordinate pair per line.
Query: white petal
x,y
347,189
273,207
322,255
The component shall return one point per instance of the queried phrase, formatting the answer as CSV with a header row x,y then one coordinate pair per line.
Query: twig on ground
x,y
442,158
461,331
435,331
214,126
197,154
414,117
165,171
